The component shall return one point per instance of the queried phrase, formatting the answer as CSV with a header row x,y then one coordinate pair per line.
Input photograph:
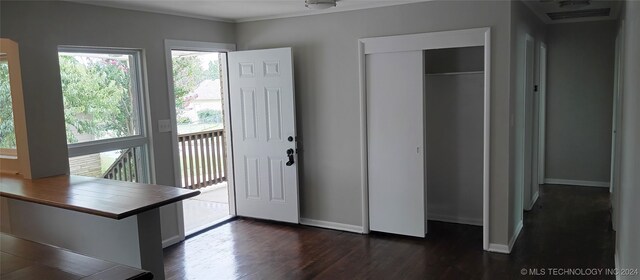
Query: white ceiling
x,y
542,7
239,10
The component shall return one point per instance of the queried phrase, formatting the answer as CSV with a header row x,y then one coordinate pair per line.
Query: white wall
x,y
628,234
580,100
327,95
40,27
454,150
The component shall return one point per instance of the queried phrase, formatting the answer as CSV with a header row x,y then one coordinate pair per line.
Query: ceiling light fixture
x,y
319,4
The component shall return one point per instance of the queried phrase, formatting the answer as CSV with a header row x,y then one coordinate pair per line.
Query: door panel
x,y
396,142
263,115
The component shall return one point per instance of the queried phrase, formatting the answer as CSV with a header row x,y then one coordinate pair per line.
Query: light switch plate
x,y
164,125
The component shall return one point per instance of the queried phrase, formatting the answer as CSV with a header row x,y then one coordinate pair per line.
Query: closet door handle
x,y
290,154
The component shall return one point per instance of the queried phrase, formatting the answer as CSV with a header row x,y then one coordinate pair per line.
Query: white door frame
x,y
616,126
527,130
418,42
170,45
542,110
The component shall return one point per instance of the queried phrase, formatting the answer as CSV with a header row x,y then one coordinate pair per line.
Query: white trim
x,y
616,132
521,122
516,235
422,41
542,112
22,163
553,181
228,133
426,41
364,154
454,219
498,248
198,46
331,225
533,200
486,153
92,147
170,45
506,249
150,152
171,241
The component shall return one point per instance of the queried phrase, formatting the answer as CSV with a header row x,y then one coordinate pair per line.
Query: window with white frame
x,y
104,113
7,129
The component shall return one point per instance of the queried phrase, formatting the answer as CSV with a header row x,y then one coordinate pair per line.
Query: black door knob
x,y
290,155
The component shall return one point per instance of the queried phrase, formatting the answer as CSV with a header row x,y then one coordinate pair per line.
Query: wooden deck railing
x,y
124,168
202,158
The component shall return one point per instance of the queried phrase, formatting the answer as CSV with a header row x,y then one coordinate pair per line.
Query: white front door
x,y
264,131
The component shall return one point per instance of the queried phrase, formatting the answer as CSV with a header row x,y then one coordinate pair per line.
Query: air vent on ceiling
x,y
580,14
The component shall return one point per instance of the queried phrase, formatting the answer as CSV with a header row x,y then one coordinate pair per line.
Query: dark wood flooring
x,y
569,227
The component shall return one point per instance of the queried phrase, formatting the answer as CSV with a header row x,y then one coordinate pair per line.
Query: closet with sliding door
x,y
454,90
427,104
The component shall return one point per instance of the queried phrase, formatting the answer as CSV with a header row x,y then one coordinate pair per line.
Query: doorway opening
x,y
201,136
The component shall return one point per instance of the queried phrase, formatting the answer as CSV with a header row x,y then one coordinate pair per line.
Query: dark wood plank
x,y
569,227
38,271
51,256
10,263
120,272
101,197
23,259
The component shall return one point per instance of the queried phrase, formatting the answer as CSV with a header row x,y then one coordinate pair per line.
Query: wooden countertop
x,y
23,259
96,196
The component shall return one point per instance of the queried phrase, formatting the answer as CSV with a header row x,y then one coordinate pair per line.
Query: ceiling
x,y
542,7
239,10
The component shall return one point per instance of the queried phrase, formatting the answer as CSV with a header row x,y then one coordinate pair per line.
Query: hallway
x,y
569,227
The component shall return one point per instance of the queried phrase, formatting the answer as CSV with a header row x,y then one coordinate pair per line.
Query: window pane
x,y
7,131
197,88
100,96
122,165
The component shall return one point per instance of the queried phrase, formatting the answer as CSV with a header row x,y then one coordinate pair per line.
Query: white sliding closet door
x,y
395,125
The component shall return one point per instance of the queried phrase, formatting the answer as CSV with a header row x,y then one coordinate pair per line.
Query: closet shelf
x,y
455,73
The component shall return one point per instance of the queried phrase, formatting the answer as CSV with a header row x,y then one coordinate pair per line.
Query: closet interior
x,y
454,99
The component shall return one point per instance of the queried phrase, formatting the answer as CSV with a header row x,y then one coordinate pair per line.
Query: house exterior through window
x,y
104,113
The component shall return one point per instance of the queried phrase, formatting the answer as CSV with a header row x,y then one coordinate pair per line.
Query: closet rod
x,y
456,73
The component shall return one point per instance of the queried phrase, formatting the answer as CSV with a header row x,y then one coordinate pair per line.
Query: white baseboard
x,y
498,248
576,183
171,240
533,200
515,236
331,225
454,219
506,249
